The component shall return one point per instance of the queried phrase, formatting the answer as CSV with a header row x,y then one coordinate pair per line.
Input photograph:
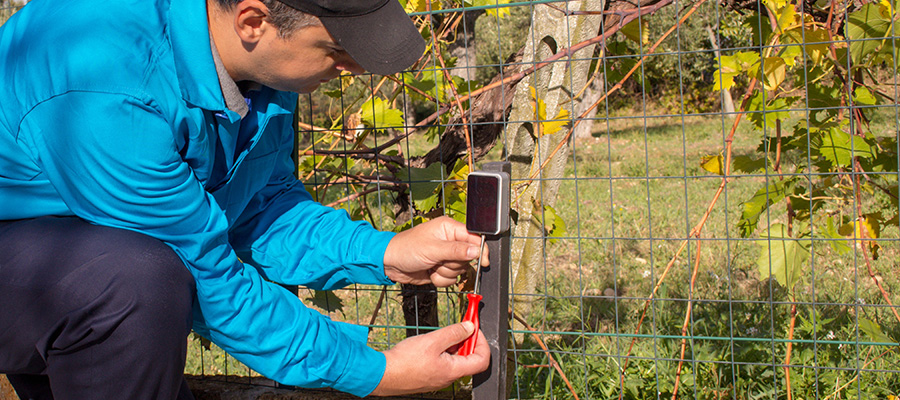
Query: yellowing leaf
x,y
774,69
638,32
775,4
886,8
495,11
421,5
724,81
861,232
786,17
714,164
545,125
540,109
550,127
818,44
460,170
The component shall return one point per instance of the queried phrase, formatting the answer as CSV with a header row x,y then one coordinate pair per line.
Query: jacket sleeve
x,y
113,160
293,239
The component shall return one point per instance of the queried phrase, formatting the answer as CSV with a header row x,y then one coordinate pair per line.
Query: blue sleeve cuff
x,y
365,367
372,251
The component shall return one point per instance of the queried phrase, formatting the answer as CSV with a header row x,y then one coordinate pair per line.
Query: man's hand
x,y
425,363
437,252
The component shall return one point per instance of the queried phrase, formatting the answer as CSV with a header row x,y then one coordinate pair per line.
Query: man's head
x,y
289,44
284,18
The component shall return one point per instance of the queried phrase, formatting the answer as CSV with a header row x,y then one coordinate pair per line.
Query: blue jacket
x,y
113,112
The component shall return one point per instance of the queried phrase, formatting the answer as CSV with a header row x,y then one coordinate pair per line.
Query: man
x,y
146,188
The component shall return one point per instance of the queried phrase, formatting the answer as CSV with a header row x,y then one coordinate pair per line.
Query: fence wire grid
x,y
704,194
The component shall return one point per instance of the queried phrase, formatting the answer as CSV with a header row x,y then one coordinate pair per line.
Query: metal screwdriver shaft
x,y
471,315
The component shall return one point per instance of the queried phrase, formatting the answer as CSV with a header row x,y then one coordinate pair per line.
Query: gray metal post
x,y
491,384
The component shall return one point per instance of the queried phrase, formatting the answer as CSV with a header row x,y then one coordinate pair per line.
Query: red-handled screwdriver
x,y
468,346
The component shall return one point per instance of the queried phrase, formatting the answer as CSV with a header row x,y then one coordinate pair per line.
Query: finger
x,y
477,361
441,278
451,270
485,257
451,335
441,281
481,346
456,231
455,252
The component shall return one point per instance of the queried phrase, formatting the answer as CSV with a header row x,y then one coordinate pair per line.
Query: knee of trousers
x,y
149,279
136,285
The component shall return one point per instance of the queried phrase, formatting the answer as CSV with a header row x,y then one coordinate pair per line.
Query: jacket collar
x,y
194,65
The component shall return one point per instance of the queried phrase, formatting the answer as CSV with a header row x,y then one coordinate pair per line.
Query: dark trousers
x,y
89,312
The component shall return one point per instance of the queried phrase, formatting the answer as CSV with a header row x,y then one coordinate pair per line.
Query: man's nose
x,y
350,65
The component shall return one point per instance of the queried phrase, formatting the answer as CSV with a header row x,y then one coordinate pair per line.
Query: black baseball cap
x,y
376,33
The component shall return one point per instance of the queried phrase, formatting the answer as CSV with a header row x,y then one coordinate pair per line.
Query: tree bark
x,y
550,31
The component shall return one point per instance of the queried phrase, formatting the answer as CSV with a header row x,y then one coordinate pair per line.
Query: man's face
x,y
303,61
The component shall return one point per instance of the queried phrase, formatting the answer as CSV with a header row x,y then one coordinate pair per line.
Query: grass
x,y
635,191
632,192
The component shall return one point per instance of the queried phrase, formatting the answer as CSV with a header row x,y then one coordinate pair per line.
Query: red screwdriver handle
x,y
468,346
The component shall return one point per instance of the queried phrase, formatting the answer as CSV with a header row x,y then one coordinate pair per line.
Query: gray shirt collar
x,y
234,99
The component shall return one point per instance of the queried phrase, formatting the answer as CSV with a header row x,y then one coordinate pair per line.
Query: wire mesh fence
x,y
684,242
704,193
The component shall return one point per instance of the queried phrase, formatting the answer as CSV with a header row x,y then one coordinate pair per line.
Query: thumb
x,y
453,334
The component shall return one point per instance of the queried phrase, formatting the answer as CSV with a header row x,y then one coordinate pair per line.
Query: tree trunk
x,y
727,101
550,31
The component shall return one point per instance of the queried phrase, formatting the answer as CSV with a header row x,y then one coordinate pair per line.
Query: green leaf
x,y
836,240
637,31
781,256
425,86
423,184
765,113
335,94
839,147
760,29
378,114
867,29
747,164
821,96
732,66
862,95
756,205
873,331
326,300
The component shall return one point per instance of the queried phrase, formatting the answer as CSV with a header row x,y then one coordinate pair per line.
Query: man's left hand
x,y
437,252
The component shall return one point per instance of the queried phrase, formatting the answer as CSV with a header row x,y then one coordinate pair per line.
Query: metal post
x,y
491,384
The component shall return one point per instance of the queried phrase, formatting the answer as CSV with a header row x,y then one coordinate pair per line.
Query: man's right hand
x,y
428,362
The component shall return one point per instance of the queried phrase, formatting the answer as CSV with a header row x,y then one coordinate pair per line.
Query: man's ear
x,y
251,21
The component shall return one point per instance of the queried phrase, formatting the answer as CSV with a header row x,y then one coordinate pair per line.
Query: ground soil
x,y
243,388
